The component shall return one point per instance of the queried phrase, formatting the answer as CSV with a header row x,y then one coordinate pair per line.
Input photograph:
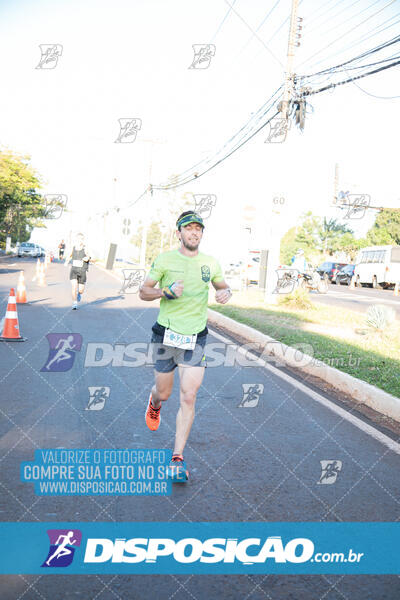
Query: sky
x,y
131,58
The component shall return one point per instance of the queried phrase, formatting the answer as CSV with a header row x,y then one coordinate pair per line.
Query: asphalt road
x,y
358,299
254,463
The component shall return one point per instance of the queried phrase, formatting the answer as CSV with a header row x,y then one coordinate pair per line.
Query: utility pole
x,y
288,87
273,234
146,220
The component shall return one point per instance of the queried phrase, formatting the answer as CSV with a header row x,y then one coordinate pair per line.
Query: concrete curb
x,y
361,391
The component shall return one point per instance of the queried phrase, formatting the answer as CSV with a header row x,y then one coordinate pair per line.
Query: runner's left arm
x,y
223,291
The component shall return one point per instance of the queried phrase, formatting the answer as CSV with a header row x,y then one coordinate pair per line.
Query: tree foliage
x,y
21,205
386,229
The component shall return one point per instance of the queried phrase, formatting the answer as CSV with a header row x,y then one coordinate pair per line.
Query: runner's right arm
x,y
148,291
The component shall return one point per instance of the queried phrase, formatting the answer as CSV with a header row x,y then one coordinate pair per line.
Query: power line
x,y
251,128
222,22
254,119
373,95
382,46
351,79
315,18
259,27
339,13
225,157
235,146
347,32
254,33
362,39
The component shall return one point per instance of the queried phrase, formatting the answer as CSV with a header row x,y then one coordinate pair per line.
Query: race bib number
x,y
77,263
178,340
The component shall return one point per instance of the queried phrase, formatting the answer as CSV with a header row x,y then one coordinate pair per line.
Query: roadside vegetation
x,y
366,346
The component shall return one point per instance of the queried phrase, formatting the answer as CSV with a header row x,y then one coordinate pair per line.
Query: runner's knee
x,y
188,398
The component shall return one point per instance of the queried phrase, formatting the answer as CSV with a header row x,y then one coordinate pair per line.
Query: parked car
x,y
345,275
28,249
378,266
329,270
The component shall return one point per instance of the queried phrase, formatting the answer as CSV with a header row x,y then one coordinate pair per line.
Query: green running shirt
x,y
188,313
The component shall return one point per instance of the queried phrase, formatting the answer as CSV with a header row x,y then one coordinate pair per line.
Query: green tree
x,y
351,245
153,241
330,234
21,205
307,233
288,246
386,229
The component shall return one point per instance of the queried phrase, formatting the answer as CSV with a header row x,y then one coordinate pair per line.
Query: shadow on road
x,y
103,300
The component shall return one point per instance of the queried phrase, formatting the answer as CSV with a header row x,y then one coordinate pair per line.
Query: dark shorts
x,y
78,273
167,358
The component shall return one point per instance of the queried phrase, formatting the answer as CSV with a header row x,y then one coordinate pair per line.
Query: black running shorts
x,y
78,273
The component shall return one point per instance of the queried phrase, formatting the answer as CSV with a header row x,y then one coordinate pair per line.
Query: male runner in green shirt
x,y
180,332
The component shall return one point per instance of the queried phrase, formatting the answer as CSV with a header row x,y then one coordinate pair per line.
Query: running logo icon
x,y
62,351
330,471
204,204
97,397
50,55
133,279
251,394
203,54
55,204
356,205
128,129
63,543
278,129
287,281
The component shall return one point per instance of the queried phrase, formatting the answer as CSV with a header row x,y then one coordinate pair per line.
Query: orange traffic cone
x,y
21,289
396,290
41,277
11,331
37,270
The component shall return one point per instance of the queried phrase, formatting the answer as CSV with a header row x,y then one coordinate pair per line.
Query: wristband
x,y
168,293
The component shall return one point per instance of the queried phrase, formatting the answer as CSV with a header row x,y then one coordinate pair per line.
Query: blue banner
x,y
99,472
204,548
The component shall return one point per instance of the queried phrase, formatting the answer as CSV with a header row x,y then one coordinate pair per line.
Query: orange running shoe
x,y
153,417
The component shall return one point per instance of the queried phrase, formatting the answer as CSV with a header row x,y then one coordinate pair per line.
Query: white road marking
x,y
363,298
368,429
